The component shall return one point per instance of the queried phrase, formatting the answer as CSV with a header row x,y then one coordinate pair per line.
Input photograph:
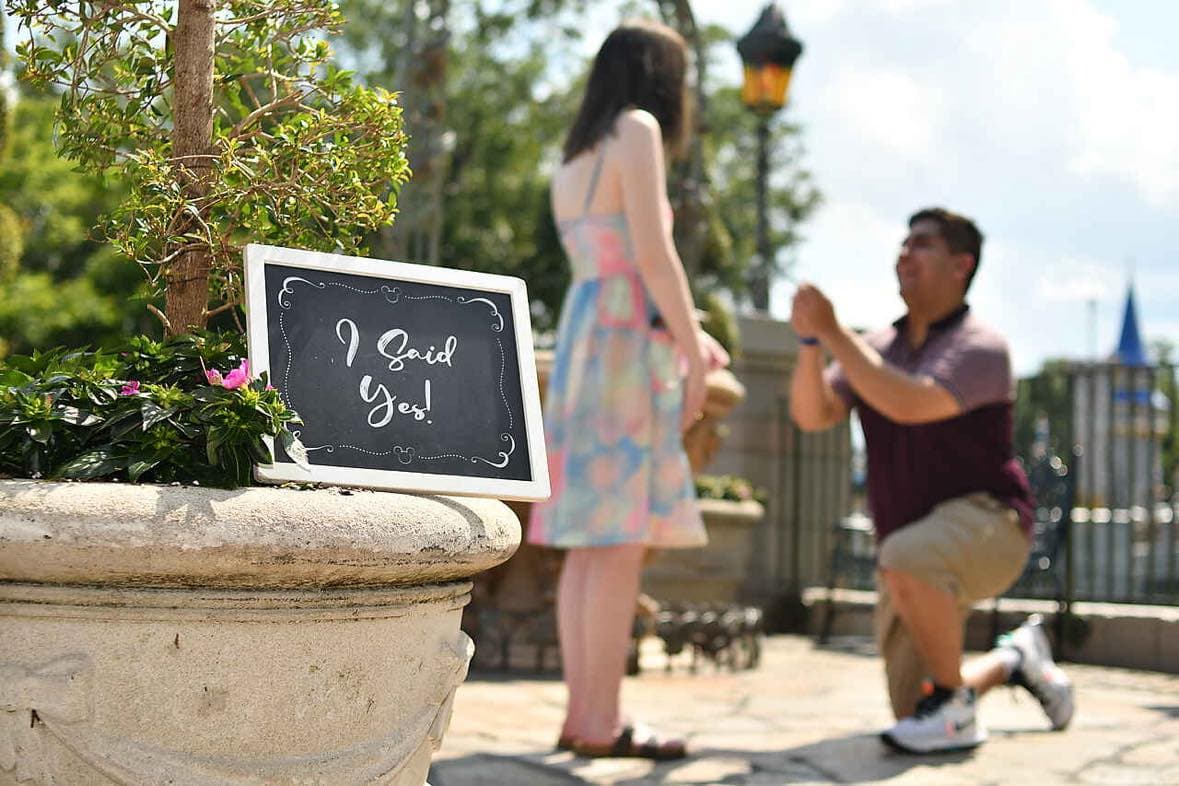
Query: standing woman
x,y
628,377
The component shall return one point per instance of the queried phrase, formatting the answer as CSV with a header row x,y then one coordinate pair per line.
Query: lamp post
x,y
768,53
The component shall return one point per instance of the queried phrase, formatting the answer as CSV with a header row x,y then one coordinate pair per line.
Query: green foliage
x,y
1170,442
509,98
37,310
3,91
728,487
11,244
1044,401
791,195
498,215
496,117
68,288
301,155
720,323
146,413
56,203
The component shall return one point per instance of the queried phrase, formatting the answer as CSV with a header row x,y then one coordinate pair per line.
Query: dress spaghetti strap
x,y
593,183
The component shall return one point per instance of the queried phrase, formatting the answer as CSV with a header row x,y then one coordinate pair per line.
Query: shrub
x,y
727,487
181,410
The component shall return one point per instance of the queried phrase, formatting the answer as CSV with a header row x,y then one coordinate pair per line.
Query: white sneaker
x,y
943,723
1039,674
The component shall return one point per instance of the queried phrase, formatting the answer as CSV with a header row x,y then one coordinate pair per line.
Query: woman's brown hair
x,y
641,65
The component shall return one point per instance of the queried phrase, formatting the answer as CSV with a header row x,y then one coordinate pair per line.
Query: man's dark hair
x,y
641,65
959,232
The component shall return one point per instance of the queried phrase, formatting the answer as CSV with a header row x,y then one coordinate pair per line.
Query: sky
x,y
1054,124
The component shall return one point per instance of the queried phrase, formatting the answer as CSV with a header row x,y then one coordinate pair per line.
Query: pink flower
x,y
233,380
270,387
130,389
238,377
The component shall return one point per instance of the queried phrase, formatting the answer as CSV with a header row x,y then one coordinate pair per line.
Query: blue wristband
x,y
808,341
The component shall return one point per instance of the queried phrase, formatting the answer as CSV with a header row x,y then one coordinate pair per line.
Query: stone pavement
x,y
812,715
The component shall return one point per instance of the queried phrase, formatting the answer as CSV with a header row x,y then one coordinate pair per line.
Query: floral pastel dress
x,y
617,465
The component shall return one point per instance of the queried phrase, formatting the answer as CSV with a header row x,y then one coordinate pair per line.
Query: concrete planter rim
x,y
116,534
744,511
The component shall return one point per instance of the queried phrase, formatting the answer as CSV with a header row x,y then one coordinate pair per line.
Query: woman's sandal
x,y
626,747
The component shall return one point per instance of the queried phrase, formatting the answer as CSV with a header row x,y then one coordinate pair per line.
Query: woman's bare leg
x,y
599,599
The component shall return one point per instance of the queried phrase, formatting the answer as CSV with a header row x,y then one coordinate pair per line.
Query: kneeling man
x,y
950,502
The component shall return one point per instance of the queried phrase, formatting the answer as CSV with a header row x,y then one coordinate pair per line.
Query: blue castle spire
x,y
1130,351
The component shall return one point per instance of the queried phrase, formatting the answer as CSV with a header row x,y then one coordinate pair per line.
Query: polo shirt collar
x,y
951,319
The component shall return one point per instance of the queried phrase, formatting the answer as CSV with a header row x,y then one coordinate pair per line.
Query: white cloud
x,y
886,108
909,6
1060,77
851,258
1077,279
1127,116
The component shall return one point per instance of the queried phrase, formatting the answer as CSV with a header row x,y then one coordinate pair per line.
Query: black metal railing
x,y
1120,540
1122,543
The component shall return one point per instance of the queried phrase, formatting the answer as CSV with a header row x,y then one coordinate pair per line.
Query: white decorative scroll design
x,y
389,759
405,455
498,325
33,697
504,455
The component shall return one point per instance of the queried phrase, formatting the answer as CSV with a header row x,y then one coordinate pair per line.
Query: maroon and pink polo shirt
x,y
913,468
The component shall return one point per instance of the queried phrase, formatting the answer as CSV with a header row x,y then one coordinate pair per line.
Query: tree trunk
x,y
689,186
187,291
422,69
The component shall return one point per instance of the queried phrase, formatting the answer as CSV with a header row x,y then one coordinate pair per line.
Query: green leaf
x,y
294,449
213,446
94,464
76,417
40,432
136,469
10,377
153,414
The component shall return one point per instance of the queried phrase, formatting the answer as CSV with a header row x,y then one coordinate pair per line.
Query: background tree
x,y
10,235
791,194
408,44
68,287
485,130
1043,405
511,90
227,123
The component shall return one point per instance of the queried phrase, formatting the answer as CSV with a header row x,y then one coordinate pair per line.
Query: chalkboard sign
x,y
405,376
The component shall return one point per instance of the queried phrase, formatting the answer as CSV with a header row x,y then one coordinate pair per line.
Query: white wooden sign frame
x,y
257,332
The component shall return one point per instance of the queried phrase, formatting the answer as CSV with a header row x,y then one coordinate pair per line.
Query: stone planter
x,y
702,441
715,573
188,636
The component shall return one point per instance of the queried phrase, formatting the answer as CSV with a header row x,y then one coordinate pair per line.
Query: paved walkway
x,y
812,715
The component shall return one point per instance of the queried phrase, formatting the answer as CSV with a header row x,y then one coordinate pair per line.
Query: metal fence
x,y
1126,555
1122,541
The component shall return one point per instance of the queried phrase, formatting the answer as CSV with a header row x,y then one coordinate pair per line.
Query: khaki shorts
x,y
973,548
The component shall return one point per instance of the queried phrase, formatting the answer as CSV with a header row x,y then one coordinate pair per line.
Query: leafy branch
x,y
286,149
